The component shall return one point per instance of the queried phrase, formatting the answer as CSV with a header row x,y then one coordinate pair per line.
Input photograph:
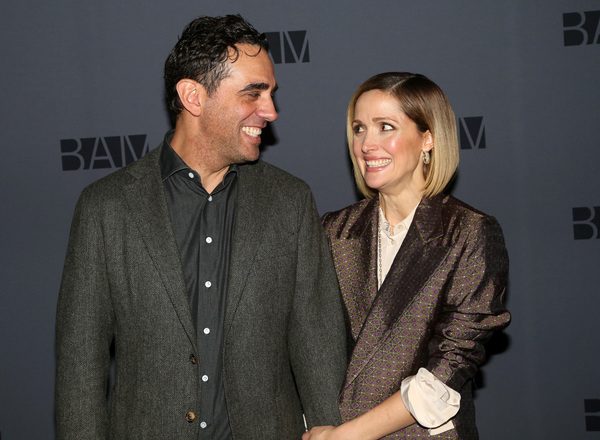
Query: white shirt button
x,y
209,240
207,284
191,175
202,425
210,198
205,378
206,331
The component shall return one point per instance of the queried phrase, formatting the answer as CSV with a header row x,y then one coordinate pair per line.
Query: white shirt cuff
x,y
430,401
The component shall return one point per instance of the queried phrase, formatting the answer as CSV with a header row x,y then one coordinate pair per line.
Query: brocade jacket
x,y
441,300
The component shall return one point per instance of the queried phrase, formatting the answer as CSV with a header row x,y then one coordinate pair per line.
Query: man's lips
x,y
252,131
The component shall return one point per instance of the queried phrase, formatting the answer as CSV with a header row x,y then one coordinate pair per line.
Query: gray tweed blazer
x,y
123,284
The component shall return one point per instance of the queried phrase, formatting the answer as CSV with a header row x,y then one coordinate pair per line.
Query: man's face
x,y
233,118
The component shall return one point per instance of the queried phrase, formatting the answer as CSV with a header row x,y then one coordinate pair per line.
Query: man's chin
x,y
250,155
253,153
253,158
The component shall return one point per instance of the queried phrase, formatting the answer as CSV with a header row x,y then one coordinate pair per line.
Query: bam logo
x,y
592,423
471,133
586,224
581,28
104,152
288,47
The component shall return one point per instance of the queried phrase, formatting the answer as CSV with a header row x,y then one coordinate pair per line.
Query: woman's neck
x,y
397,207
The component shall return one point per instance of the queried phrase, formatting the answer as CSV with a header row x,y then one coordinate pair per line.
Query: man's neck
x,y
211,173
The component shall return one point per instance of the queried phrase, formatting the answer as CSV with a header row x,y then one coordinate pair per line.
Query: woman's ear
x,y
427,141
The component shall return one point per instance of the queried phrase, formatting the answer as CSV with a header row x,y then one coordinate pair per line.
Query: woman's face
x,y
387,145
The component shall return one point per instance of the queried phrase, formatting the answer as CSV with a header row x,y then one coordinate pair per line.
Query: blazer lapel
x,y
149,210
355,258
418,257
251,212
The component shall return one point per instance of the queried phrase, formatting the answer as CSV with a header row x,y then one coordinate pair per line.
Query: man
x,y
205,268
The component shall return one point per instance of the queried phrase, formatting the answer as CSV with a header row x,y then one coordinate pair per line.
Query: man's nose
x,y
267,111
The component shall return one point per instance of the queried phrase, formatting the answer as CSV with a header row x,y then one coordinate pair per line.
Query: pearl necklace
x,y
379,257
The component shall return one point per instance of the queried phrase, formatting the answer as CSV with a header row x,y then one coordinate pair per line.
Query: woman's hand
x,y
320,433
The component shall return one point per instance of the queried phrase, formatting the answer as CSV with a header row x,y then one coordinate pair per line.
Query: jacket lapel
x,y
145,195
355,258
251,212
418,257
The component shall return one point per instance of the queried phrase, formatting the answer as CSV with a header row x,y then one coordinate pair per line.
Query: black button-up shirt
x,y
203,226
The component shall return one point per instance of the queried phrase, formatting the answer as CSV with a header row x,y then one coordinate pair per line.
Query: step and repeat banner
x,y
82,95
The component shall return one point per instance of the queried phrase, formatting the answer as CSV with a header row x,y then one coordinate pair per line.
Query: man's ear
x,y
192,95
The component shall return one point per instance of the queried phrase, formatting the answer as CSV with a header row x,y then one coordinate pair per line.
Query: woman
x,y
422,274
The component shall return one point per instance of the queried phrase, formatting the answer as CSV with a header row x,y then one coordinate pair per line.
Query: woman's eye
x,y
358,129
386,127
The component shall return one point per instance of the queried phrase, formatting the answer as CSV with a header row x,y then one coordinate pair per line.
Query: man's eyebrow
x,y
257,86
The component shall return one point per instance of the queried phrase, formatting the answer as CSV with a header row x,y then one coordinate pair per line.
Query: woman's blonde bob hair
x,y
426,105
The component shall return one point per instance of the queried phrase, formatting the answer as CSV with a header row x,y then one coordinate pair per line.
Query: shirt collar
x,y
171,163
403,225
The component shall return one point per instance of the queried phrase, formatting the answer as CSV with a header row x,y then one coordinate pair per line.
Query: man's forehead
x,y
253,67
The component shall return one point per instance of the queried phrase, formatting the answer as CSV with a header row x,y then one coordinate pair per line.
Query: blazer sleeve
x,y
84,330
316,336
473,306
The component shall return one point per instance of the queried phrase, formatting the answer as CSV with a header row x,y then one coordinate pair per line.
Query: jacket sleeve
x,y
84,331
317,333
473,306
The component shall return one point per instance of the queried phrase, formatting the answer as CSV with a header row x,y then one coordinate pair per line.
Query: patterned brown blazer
x,y
441,300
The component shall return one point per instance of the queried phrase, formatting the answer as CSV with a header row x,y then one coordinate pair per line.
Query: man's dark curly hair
x,y
202,53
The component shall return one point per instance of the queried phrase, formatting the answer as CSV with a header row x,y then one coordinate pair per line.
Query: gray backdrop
x,y
82,94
